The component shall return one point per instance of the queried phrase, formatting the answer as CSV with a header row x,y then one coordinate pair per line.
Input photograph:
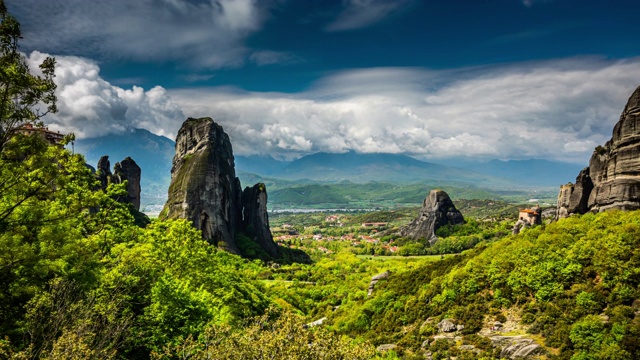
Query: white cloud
x,y
89,106
200,34
361,13
554,109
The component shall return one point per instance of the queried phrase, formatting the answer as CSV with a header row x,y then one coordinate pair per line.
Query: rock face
x,y
204,189
437,210
574,198
255,219
612,180
517,347
127,170
103,172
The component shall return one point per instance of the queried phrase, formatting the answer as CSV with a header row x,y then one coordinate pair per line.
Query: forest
x,y
79,279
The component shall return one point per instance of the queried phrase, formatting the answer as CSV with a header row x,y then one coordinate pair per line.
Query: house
x,y
531,216
52,137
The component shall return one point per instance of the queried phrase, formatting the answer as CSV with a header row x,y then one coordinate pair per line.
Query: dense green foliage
x,y
559,277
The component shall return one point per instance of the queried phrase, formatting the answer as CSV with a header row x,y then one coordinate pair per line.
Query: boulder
x,y
447,325
315,323
517,347
386,347
375,279
437,210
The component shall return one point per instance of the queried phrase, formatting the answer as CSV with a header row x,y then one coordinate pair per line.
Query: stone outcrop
x,y
103,172
517,347
255,218
375,279
574,198
447,325
204,189
437,210
127,170
612,180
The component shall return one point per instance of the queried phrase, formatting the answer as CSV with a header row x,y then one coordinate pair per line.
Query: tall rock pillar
x,y
204,187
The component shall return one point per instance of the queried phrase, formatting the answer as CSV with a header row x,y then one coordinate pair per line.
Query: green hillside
x,y
380,194
570,286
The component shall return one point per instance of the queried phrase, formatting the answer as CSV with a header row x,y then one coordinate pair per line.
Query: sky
x,y
434,79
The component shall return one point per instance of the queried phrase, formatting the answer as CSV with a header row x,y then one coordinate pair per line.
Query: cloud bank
x,y
554,109
89,106
557,109
200,34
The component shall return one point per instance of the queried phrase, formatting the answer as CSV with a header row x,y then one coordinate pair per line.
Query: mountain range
x,y
154,154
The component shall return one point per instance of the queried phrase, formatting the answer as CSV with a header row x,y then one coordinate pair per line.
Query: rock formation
x,y
612,180
127,170
574,198
437,210
103,172
375,279
255,218
204,189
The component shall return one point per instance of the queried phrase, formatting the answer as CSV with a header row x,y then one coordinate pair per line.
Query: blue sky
x,y
434,79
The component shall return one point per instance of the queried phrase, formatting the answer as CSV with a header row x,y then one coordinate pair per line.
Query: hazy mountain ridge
x,y
345,178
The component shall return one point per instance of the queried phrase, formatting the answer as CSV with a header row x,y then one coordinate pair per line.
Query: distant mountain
x,y
259,164
354,178
153,153
526,172
378,167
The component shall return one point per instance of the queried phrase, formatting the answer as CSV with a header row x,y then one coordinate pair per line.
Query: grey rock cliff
x,y
103,172
127,170
574,198
255,218
437,210
204,189
614,170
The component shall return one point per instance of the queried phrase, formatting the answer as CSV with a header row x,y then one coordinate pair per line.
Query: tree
x,y
21,92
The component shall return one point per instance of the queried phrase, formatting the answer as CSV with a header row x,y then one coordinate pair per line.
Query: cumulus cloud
x,y
554,109
200,34
361,13
89,106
